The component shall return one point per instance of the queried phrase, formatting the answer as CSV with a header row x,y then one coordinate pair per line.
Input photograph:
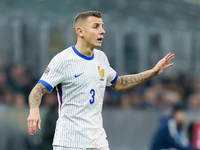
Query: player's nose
x,y
102,31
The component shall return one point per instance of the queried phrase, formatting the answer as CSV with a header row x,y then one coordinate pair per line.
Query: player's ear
x,y
79,32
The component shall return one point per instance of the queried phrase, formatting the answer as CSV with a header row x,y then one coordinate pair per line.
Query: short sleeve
x,y
54,74
112,75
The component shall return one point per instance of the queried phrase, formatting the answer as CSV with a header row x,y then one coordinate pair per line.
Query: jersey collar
x,y
81,55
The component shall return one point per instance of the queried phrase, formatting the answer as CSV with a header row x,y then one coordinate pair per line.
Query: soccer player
x,y
80,74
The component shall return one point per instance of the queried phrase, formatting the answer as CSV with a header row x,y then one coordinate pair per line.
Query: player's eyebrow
x,y
98,24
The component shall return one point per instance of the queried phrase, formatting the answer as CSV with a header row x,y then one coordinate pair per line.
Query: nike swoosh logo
x,y
76,76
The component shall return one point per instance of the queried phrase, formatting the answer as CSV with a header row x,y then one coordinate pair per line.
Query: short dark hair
x,y
86,14
178,107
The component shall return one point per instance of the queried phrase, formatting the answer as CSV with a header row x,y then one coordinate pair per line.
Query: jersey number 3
x,y
92,91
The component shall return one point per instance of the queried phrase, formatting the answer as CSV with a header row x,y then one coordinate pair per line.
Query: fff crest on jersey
x,y
101,72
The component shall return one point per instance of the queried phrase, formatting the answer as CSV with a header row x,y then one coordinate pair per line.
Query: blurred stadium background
x,y
138,34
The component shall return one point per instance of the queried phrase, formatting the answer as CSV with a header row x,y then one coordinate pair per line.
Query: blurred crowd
x,y
161,92
16,82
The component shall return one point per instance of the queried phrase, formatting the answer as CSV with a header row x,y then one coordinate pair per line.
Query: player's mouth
x,y
100,40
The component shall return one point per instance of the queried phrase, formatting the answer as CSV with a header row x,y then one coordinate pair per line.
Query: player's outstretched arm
x,y
35,97
129,81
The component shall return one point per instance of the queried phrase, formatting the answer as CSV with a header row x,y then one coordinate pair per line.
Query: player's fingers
x,y
39,125
167,56
34,126
169,65
170,58
165,59
30,126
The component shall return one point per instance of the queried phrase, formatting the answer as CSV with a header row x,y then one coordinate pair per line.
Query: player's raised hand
x,y
163,64
33,120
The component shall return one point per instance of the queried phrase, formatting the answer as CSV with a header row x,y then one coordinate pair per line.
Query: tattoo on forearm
x,y
132,79
36,94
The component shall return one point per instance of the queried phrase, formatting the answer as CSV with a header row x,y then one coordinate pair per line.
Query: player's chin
x,y
98,44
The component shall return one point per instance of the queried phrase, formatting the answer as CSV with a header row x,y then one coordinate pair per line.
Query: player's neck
x,y
84,49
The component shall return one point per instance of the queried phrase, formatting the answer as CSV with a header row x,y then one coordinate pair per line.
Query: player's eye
x,y
95,26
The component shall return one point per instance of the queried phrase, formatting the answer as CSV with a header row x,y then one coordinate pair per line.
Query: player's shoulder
x,y
64,53
99,53
101,56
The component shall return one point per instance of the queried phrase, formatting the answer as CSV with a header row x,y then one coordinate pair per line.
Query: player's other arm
x,y
35,97
130,81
